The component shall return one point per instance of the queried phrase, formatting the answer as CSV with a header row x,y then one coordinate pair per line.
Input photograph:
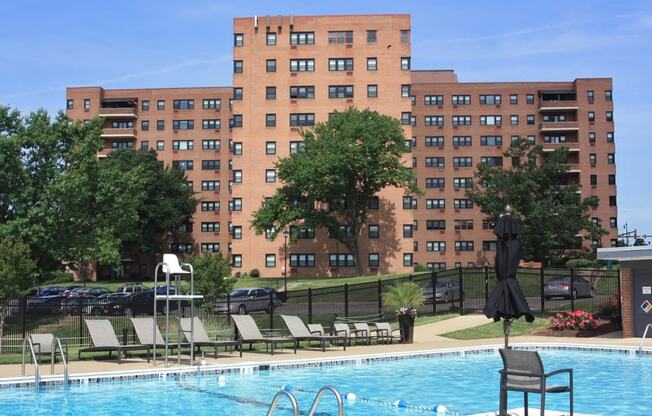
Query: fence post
x,y
541,289
228,307
271,310
433,281
380,298
81,319
618,276
461,284
410,277
309,305
486,285
346,299
572,289
23,314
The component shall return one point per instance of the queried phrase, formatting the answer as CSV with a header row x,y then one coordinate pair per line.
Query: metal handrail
x,y
640,346
37,377
56,343
279,396
320,394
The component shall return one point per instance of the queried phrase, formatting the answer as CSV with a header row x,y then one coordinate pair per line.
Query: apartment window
x,y
373,231
405,36
183,104
210,247
513,120
612,179
405,63
237,93
610,137
302,119
513,99
434,141
210,206
435,183
270,120
236,121
270,148
210,144
461,245
435,203
236,261
491,120
211,124
122,144
435,246
160,125
613,222
554,139
340,37
122,125
488,224
183,164
183,124
461,120
491,140
593,180
181,247
271,38
341,260
87,103
463,141
302,92
302,233
611,158
270,93
609,115
490,99
492,160
612,201
529,99
295,146
590,96
144,105
183,144
489,246
433,99
237,67
434,162
462,162
409,202
210,227
211,103
160,145
237,176
433,120
302,38
591,137
238,39
408,259
235,204
608,95
144,144
372,64
435,225
406,118
340,91
372,91
271,65
270,175
462,183
302,65
405,90
70,104
374,259
530,119
210,164
340,64
371,36
461,99
302,260
591,116
210,185
160,105
593,159
462,203
144,125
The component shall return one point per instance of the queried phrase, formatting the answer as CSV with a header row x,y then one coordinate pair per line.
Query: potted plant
x,y
405,298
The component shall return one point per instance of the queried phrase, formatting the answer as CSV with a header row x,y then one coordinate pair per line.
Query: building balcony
x,y
558,105
109,133
549,126
118,112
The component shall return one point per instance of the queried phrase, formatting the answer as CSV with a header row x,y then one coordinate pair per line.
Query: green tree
x,y
549,208
334,176
17,274
212,276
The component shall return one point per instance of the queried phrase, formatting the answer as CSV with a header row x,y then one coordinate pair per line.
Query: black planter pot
x,y
406,325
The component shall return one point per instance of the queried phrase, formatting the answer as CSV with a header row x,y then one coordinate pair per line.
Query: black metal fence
x,y
457,291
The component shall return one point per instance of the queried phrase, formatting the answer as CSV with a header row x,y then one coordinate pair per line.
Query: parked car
x,y
162,290
86,292
127,304
45,292
44,305
245,300
446,290
559,287
133,288
282,296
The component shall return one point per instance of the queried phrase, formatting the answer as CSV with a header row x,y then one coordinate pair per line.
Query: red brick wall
x,y
626,301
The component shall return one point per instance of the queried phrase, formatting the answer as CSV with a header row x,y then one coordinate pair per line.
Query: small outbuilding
x,y
635,284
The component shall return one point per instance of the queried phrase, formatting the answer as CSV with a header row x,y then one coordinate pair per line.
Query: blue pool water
x,y
605,384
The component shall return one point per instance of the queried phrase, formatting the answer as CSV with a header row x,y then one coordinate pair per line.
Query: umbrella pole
x,y
507,323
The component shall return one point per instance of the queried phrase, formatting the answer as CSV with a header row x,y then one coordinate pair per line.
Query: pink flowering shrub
x,y
611,309
577,320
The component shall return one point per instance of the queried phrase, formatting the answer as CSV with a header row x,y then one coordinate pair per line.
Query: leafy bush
x,y
577,320
420,268
578,263
405,297
212,276
611,309
254,273
58,277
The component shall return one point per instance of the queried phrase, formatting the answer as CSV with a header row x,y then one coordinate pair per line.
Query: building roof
x,y
636,253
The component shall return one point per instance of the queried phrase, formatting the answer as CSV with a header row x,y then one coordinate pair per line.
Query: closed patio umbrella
x,y
507,301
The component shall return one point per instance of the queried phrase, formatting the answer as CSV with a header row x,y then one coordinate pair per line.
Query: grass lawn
x,y
495,330
424,320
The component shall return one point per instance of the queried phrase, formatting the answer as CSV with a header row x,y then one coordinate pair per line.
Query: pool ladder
x,y
640,346
56,344
315,403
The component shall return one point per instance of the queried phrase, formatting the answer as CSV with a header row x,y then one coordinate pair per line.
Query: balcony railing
x,y
559,126
557,105
109,133
113,112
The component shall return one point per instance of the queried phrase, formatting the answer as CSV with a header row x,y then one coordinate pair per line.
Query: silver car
x,y
245,300
447,290
559,287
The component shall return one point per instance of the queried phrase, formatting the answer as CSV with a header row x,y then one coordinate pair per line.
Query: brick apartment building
x,y
290,72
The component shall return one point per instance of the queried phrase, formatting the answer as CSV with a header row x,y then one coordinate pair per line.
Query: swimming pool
x,y
606,383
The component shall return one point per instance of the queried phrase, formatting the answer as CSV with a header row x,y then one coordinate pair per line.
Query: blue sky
x,y
48,45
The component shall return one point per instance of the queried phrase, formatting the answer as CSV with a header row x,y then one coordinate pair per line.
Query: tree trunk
x,y
355,251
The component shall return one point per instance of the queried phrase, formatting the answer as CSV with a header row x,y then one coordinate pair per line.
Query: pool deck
x,y
426,337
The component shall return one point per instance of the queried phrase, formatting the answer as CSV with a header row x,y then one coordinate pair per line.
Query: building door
x,y
642,286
